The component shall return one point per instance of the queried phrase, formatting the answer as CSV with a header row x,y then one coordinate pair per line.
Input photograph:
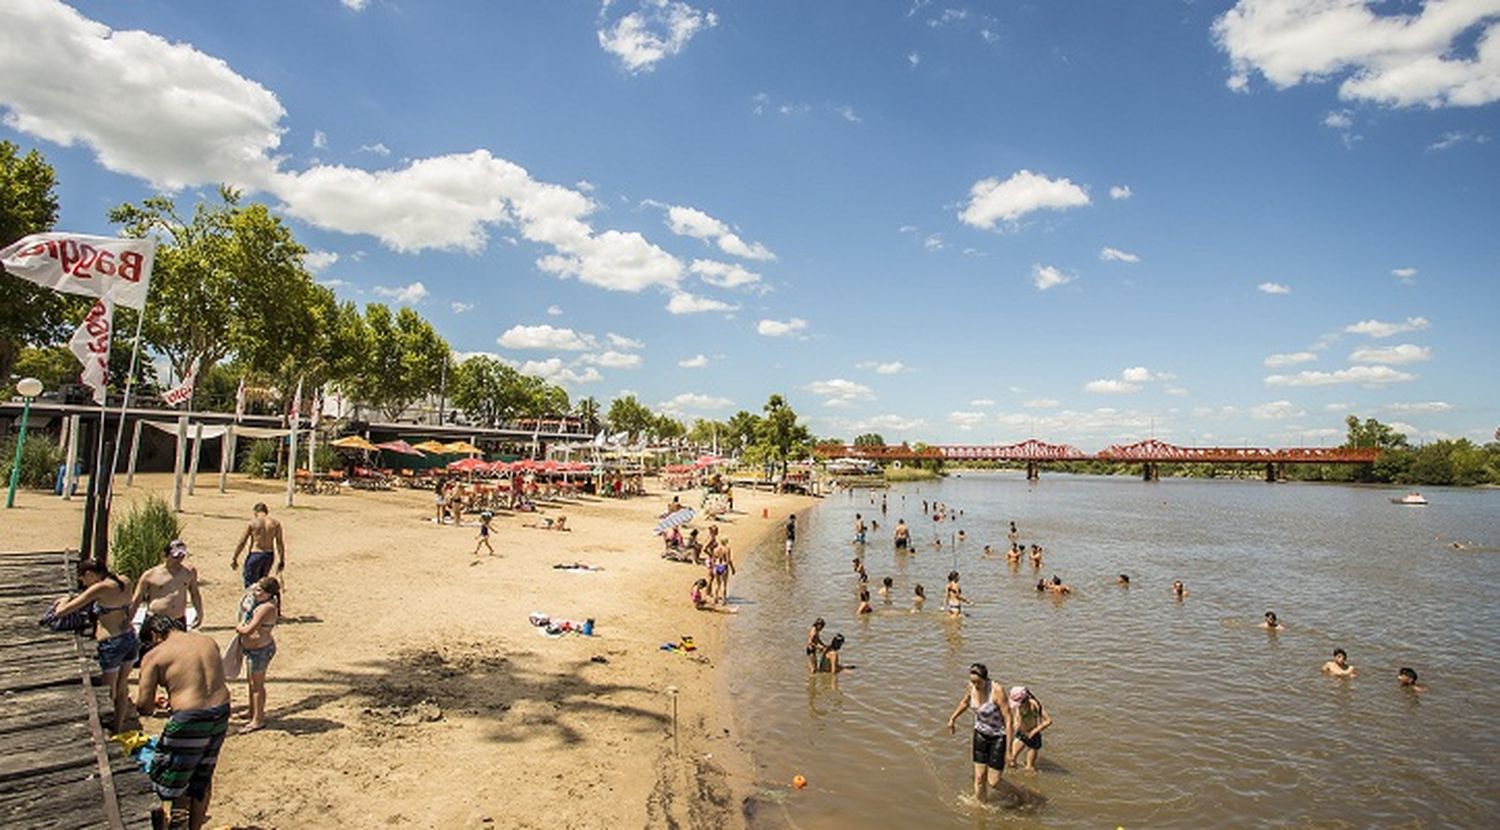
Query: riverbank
x,y
410,689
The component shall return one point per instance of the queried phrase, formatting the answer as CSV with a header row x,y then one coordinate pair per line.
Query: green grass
x,y
141,536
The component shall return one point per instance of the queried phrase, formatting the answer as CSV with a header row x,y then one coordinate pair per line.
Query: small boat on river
x,y
1411,498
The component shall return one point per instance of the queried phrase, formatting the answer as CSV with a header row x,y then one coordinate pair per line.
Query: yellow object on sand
x,y
130,741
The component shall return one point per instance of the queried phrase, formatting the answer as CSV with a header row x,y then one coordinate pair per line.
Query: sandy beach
x,y
409,688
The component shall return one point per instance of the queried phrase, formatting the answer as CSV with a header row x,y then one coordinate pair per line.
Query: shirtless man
x,y
263,534
859,529
903,535
1339,665
167,588
188,665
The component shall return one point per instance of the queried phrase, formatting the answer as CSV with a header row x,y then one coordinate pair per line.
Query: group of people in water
x,y
174,657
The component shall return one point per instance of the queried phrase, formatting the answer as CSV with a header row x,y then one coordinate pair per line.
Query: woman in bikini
x,y
993,729
108,594
260,610
722,568
953,597
1030,718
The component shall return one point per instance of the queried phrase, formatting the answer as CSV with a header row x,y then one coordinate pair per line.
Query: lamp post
x,y
29,388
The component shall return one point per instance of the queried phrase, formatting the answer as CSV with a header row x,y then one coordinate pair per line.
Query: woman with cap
x,y
1030,718
993,729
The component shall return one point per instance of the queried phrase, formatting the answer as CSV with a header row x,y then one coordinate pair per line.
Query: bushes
x,y
39,461
140,538
261,453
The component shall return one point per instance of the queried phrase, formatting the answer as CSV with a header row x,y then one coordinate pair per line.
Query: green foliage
x,y
40,459
588,410
491,393
869,439
667,428
743,427
780,434
261,453
909,473
28,204
630,416
140,538
405,360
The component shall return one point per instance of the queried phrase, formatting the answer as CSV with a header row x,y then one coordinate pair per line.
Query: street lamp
x,y
29,388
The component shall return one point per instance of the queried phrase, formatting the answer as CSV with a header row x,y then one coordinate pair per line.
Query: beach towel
x,y
234,660
188,751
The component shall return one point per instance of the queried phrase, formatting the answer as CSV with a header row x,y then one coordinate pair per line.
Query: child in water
x,y
1030,719
918,597
864,604
885,588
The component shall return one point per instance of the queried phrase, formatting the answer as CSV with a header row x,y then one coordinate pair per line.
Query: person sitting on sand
x,y
864,604
260,610
1406,678
1030,718
918,597
484,533
701,600
672,507
994,727
953,596
1339,665
188,665
815,645
1178,589
1271,623
108,595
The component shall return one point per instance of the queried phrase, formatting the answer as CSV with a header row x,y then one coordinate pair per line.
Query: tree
x,y
743,429
228,281
1394,458
667,428
706,433
29,313
587,410
630,416
405,360
779,433
869,439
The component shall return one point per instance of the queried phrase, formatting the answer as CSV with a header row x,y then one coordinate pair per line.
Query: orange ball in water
x,y
798,782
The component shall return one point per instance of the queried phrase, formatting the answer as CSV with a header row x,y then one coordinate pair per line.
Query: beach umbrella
x,y
468,465
354,442
708,461
432,446
462,448
681,517
400,447
499,467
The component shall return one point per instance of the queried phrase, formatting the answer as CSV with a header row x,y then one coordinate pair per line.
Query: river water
x,y
1166,713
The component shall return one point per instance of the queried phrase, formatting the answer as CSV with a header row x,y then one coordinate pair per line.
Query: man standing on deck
x,y
263,534
168,588
188,665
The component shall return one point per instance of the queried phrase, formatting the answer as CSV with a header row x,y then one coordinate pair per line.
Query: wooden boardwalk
x,y
56,768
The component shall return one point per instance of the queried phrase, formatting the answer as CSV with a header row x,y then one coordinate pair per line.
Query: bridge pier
x,y
1033,472
1275,472
1149,472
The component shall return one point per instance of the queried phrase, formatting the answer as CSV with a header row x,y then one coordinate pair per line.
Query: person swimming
x,y
864,604
918,597
1178,589
1339,665
1406,678
885,587
1271,624
1123,581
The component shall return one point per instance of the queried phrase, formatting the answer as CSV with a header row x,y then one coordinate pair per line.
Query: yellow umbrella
x,y
462,448
354,442
433,446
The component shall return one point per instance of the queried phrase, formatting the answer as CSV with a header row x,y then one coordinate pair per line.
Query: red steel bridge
x,y
1148,453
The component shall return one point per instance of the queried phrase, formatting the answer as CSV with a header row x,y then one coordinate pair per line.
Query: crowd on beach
x,y
187,667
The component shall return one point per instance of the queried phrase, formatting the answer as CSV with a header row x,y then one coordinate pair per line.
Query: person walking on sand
x,y
440,500
994,729
108,594
263,535
168,588
260,610
1339,665
484,533
1030,718
188,665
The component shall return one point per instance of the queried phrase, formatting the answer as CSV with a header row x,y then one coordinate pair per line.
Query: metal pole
x,y
15,470
70,479
291,463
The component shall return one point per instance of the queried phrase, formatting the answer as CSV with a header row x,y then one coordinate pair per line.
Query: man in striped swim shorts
x,y
188,666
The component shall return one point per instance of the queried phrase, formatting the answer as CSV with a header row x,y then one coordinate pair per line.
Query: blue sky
x,y
960,222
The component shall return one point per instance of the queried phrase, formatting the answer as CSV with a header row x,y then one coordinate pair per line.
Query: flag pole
x,y
135,352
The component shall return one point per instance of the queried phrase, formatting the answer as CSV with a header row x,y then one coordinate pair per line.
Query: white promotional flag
x,y
118,270
239,401
184,390
317,407
297,406
90,343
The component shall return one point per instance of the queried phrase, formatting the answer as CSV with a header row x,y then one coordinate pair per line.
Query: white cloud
x,y
1273,288
1336,407
934,242
620,341
688,221
992,201
693,401
694,362
320,140
981,402
554,311
1425,408
846,112
355,5
1137,374
546,338
377,149
1175,391
840,392
613,360
1367,376
1400,59
318,261
1120,191
1377,329
1404,353
1404,274
1117,255
1046,276
684,303
966,420
554,371
1455,138
894,423
1338,120
894,367
914,59
777,328
989,36
1042,403
1278,361
460,308
1111,387
1276,411
404,294
723,274
656,30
